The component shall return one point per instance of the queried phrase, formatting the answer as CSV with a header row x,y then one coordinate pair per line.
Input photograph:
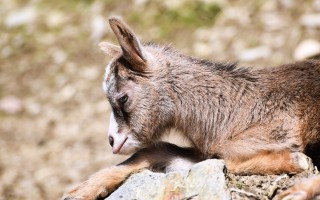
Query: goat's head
x,y
134,87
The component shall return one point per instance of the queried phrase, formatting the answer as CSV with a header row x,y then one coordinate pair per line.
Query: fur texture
x,y
259,121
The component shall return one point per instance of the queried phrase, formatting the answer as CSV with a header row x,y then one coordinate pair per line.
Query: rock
x,y
6,51
310,20
11,105
65,94
145,185
245,187
59,56
55,19
255,53
316,5
202,48
98,28
272,21
205,180
306,49
90,73
20,17
288,3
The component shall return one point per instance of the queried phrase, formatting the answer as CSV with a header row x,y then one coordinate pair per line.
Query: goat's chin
x,y
128,149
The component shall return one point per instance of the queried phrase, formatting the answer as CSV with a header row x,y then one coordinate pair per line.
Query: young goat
x,y
259,121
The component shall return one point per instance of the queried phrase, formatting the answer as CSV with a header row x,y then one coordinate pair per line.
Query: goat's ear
x,y
131,47
110,49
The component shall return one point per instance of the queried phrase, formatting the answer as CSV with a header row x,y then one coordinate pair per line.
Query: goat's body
x,y
260,121
227,110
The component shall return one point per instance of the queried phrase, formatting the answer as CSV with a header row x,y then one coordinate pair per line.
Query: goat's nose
x,y
111,140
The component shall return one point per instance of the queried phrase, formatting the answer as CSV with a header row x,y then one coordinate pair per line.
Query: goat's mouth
x,y
116,149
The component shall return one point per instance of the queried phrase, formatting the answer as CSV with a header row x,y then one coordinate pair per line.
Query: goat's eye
x,y
123,99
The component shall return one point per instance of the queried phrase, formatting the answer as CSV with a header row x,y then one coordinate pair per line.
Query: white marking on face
x,y
106,74
113,125
107,70
124,142
118,139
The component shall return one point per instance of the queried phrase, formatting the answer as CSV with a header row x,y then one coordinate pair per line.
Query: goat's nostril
x,y
111,140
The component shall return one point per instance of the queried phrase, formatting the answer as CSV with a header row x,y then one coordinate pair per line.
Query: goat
x,y
259,121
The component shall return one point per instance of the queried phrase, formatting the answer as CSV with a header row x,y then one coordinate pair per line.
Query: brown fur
x,y
258,121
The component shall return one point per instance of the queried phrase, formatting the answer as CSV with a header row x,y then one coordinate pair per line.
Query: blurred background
x,y
53,113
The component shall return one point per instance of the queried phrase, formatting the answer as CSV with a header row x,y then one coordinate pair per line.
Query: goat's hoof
x,y
302,161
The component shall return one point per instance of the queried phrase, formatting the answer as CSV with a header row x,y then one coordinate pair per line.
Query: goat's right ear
x,y
110,49
131,47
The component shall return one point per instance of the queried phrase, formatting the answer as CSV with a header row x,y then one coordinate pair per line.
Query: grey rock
x,y
307,48
205,180
255,53
98,28
20,17
11,105
310,20
143,186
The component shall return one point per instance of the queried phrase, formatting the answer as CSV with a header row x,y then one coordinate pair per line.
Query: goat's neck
x,y
209,99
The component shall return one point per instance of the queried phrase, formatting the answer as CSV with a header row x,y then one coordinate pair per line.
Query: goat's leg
x,y
308,189
162,156
105,181
269,163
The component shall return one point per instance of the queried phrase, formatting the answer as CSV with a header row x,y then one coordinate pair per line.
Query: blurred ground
x,y
53,113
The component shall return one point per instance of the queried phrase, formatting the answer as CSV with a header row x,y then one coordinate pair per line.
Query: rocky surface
x,y
205,180
259,187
